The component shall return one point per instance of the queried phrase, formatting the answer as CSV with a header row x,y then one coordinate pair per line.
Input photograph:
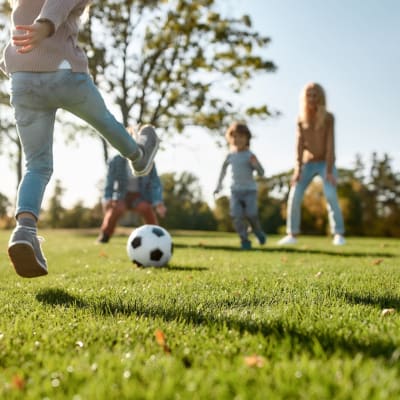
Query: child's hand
x,y
31,36
295,178
331,179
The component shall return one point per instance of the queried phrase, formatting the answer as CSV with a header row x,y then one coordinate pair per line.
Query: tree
x,y
269,207
82,217
222,215
54,214
172,63
381,208
183,199
9,142
175,63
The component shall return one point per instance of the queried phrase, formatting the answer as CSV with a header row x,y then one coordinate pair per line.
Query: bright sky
x,y
351,47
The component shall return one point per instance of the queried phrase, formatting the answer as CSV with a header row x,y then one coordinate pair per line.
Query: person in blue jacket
x,y
123,191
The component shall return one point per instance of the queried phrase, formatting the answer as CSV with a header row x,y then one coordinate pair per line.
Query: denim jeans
x,y
308,172
35,97
243,210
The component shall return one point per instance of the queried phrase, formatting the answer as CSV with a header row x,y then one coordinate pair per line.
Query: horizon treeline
x,y
369,198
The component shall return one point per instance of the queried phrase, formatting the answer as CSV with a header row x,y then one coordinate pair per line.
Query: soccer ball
x,y
149,246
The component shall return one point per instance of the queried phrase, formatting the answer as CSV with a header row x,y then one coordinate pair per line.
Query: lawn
x,y
307,322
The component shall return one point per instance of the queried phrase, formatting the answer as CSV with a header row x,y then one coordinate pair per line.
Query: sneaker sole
x,y
150,164
24,260
287,244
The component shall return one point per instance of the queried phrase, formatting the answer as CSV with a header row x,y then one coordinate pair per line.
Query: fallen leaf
x,y
160,337
18,382
162,341
318,274
387,311
377,261
254,361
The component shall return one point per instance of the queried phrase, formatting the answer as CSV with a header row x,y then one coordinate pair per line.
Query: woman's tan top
x,y
315,144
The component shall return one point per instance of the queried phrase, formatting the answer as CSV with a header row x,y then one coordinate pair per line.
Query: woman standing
x,y
315,155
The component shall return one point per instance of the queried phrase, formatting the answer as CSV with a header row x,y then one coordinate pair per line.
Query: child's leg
x,y
251,212
91,107
146,211
111,217
35,125
295,199
80,96
334,212
238,217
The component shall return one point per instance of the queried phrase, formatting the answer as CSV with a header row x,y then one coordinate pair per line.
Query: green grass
x,y
308,317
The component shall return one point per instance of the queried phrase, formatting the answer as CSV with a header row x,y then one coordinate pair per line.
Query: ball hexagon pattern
x,y
149,246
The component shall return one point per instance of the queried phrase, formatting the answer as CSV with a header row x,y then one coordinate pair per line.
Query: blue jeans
x,y
243,210
308,172
35,97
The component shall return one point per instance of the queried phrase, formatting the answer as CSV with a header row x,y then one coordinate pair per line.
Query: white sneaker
x,y
338,240
288,239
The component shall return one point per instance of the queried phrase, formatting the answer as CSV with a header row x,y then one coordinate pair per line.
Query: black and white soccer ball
x,y
149,246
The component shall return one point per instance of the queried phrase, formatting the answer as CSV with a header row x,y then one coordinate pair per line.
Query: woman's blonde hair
x,y
240,128
304,116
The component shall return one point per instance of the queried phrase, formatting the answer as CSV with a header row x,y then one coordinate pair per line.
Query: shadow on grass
x,y
293,250
301,339
59,297
388,301
177,268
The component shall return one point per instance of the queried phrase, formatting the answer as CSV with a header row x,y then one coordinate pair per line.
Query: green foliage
x,y
183,199
4,205
269,208
10,146
222,215
175,63
79,216
273,323
55,210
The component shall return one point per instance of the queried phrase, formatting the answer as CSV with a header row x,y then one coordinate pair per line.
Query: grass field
x,y
307,322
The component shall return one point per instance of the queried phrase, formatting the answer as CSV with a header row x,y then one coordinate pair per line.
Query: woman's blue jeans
x,y
35,97
308,172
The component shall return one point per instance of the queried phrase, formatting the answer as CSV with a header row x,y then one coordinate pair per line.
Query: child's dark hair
x,y
238,127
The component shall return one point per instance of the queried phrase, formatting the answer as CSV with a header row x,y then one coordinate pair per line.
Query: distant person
x,y
315,155
243,200
124,191
48,71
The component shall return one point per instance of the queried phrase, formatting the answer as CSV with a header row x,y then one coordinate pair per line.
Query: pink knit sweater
x,y
62,45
